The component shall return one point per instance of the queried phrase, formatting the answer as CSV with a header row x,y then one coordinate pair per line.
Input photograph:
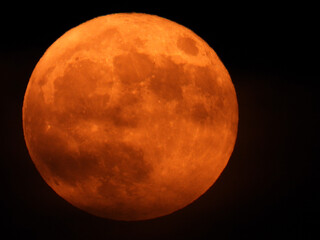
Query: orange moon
x,y
130,116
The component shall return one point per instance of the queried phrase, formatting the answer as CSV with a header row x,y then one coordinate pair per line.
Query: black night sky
x,y
268,189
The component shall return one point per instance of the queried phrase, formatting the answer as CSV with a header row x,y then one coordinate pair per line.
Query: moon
x,y
130,116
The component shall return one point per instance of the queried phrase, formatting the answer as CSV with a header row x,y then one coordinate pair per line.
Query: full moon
x,y
130,116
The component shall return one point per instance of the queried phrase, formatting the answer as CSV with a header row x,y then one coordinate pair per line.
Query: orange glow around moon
x,y
130,116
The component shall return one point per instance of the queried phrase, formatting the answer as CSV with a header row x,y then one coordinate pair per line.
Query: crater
x,y
199,113
168,79
133,68
83,91
122,116
61,161
206,80
124,165
188,45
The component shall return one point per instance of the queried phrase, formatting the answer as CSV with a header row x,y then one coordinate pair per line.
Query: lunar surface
x,y
130,116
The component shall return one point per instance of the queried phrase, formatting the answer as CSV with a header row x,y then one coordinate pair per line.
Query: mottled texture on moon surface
x,y
130,116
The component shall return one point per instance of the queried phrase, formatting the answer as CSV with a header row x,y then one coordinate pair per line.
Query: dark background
x,y
268,189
